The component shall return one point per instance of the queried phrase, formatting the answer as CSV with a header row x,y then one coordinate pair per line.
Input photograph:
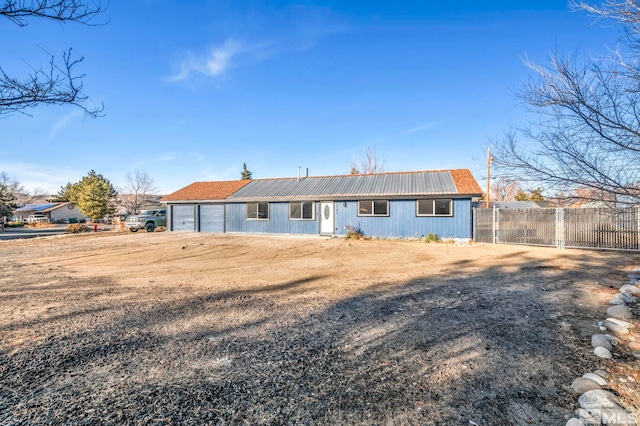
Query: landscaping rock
x,y
623,299
615,328
621,322
586,418
635,354
603,352
596,378
598,399
575,422
631,289
601,340
582,385
619,311
602,374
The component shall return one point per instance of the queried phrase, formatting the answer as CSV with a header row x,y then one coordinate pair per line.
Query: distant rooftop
x,y
36,207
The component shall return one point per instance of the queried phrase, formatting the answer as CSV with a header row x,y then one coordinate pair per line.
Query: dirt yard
x,y
169,328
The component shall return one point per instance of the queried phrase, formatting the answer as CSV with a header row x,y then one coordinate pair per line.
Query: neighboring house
x,y
56,212
386,205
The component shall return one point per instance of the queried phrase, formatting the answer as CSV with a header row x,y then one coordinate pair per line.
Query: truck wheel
x,y
133,229
150,227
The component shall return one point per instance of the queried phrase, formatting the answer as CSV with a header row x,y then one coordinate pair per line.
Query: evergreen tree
x,y
245,174
65,194
93,194
7,202
533,195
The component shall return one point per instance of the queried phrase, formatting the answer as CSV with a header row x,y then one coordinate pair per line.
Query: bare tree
x,y
57,83
371,163
20,194
588,131
137,188
7,198
504,189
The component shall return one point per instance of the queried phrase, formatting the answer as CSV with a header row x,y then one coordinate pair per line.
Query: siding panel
x,y
402,221
278,222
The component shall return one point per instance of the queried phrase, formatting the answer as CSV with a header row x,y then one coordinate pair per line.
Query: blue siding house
x,y
385,205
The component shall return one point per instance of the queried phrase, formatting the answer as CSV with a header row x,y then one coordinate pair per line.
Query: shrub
x,y
76,228
354,234
37,225
431,238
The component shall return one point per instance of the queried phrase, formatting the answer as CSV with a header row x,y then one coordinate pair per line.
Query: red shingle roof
x,y
465,182
206,191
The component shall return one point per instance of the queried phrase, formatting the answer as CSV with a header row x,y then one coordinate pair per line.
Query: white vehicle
x,y
35,218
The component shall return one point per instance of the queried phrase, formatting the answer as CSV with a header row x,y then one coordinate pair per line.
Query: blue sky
x,y
192,89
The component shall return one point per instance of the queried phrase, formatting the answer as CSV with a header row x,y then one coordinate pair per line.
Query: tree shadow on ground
x,y
489,346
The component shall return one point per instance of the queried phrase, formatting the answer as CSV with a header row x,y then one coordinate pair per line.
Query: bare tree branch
x,y
587,134
56,84
18,11
371,163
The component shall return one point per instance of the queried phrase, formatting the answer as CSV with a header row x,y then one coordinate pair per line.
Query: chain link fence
x,y
596,228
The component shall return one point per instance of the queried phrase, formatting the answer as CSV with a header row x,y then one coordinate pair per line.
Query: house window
x,y
434,207
373,208
259,210
301,210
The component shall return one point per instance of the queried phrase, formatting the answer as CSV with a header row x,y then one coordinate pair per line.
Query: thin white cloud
x,y
212,63
33,176
197,156
62,123
167,157
425,126
212,173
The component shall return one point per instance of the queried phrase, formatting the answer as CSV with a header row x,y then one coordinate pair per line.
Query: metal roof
x,y
36,207
346,186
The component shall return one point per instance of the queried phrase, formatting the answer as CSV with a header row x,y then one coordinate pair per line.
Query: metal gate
x,y
183,217
598,228
211,217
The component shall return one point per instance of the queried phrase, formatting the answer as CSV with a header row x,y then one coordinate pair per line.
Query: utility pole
x,y
487,200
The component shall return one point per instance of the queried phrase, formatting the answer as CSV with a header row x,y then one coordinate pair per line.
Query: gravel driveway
x,y
169,328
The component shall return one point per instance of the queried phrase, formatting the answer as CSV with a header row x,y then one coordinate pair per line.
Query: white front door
x,y
326,217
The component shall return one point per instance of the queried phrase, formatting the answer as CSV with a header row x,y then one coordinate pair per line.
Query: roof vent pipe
x,y
306,172
298,173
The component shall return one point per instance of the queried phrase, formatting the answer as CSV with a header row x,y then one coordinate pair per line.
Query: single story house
x,y
56,212
385,205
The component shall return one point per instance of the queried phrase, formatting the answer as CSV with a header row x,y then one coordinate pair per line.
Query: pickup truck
x,y
148,220
35,218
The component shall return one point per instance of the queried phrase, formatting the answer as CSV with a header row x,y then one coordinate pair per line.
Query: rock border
x,y
597,405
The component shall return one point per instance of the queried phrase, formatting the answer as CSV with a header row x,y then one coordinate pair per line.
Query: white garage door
x,y
212,218
183,218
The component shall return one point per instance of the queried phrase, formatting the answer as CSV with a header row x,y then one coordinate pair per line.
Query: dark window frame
x,y
301,203
372,208
257,210
434,208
